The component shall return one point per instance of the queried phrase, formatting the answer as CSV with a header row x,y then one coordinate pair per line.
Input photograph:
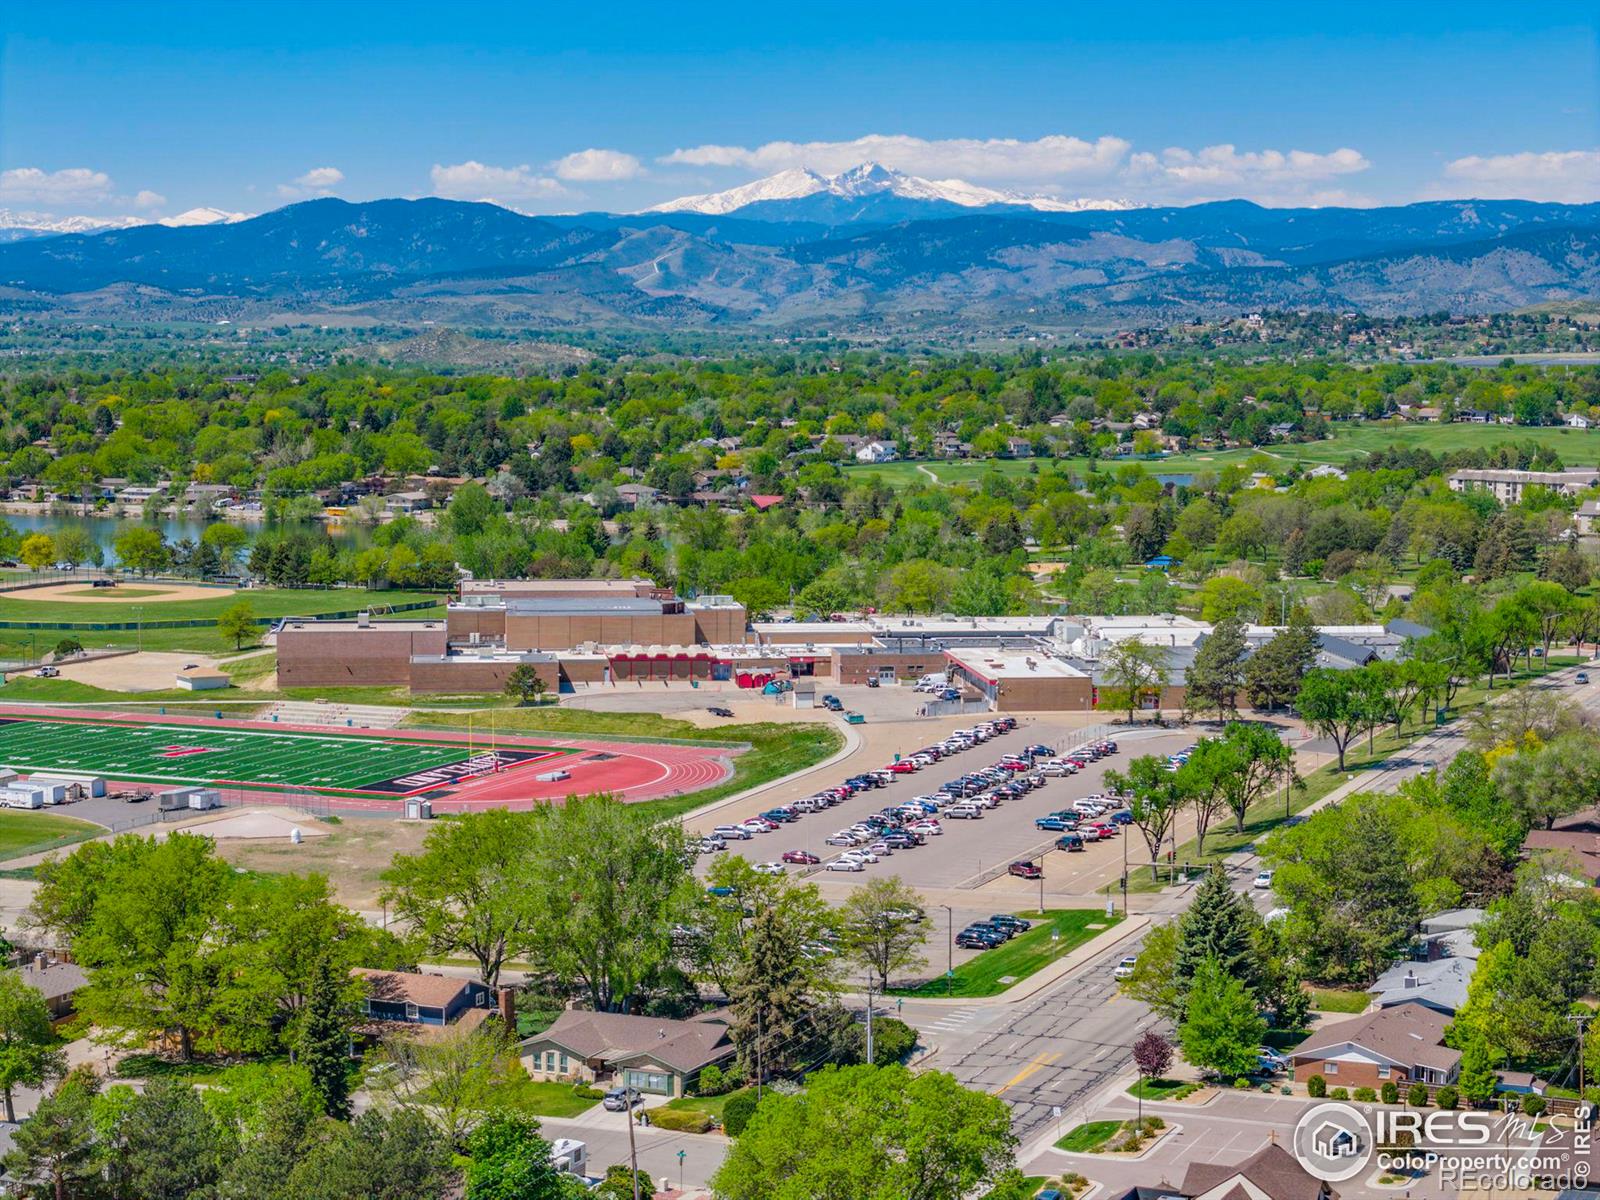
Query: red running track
x,y
633,771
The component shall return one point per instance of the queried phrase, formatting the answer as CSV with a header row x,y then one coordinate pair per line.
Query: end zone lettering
x,y
468,768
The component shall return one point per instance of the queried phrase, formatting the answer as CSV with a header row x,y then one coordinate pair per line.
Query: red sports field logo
x,y
184,751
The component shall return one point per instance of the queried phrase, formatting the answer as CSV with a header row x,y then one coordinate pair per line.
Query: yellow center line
x,y
1038,1063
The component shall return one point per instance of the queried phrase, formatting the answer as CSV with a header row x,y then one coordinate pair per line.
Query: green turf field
x,y
196,755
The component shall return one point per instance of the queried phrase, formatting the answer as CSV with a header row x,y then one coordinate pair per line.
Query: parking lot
x,y
974,853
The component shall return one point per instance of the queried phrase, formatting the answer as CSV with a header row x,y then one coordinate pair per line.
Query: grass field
x,y
544,1099
25,833
993,971
266,602
1336,1000
1577,447
185,754
1088,1137
1157,1089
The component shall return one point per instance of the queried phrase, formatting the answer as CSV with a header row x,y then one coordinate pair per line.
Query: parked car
x,y
736,832
1069,841
802,857
1125,967
1581,677
846,864
716,710
1051,824
621,1099
1271,1060
1023,869
1007,921
769,868
971,939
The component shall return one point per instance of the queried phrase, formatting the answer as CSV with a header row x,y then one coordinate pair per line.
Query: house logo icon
x,y
1333,1142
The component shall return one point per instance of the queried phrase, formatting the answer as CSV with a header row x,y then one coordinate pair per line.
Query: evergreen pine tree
x,y
1273,673
324,1045
772,1002
1216,677
1220,924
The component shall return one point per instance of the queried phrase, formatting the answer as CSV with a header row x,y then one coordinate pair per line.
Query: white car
x,y
926,828
843,838
846,864
964,812
1125,967
769,868
1264,879
881,849
753,827
862,854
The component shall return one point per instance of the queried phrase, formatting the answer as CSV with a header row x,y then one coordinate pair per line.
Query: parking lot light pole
x,y
950,950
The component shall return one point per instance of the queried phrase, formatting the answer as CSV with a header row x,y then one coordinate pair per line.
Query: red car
x,y
1025,870
804,857
904,767
1106,830
1012,766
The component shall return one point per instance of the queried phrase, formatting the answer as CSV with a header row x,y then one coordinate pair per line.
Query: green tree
x,y
606,885
466,890
399,1148
1227,597
38,551
142,549
1333,704
1134,670
1478,1079
870,1132
1216,677
471,509
226,541
238,621
525,683
171,1146
324,1044
73,544
510,1161
1260,762
1155,799
883,924
1219,926
53,1152
66,648
1222,1027
1154,980
1273,674
455,1079
28,1053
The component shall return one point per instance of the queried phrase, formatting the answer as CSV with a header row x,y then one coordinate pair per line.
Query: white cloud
x,y
1266,176
319,181
72,185
1562,176
989,159
597,166
148,199
477,181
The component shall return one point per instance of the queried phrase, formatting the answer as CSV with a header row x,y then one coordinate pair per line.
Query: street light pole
x,y
949,950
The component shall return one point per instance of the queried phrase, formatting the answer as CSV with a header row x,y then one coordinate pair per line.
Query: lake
x,y
173,528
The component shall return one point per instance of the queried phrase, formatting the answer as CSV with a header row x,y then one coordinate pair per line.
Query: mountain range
x,y
869,249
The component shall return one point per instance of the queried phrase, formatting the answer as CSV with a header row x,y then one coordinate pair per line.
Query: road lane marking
x,y
1038,1063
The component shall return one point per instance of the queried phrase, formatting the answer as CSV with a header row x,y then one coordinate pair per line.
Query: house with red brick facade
x,y
1402,1044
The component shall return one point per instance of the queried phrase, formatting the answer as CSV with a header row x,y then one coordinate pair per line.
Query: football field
x,y
175,754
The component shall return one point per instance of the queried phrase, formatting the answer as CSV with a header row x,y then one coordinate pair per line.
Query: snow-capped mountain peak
x,y
204,215
872,179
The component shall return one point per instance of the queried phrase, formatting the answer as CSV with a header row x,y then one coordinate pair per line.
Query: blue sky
x,y
110,109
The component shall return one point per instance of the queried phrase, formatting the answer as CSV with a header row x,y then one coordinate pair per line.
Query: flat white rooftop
x,y
996,665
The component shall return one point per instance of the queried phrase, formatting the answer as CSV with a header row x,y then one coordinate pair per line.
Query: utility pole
x,y
633,1150
869,1023
1581,1020
759,1038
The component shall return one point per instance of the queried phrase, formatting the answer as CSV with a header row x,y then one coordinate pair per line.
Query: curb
x,y
852,743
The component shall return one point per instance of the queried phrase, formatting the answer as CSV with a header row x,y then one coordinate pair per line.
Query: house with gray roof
x,y
1402,1043
656,1055
1440,985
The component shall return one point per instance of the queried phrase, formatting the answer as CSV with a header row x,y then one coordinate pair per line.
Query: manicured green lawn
x,y
1089,1136
991,972
1156,1089
712,1106
1338,1000
1031,1184
266,602
24,832
544,1099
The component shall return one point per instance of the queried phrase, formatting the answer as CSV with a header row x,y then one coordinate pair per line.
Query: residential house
x,y
1577,421
410,998
1271,1173
656,1055
1283,429
1507,485
638,495
407,502
1019,447
950,445
1440,985
55,979
1588,512
1574,842
1324,471
1473,416
877,452
1402,1043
